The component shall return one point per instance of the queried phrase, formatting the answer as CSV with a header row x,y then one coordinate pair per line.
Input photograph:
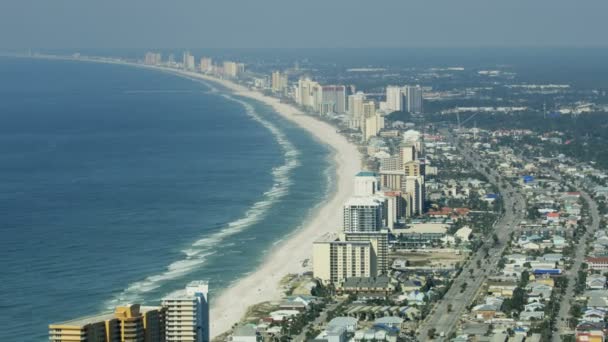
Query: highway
x,y
515,208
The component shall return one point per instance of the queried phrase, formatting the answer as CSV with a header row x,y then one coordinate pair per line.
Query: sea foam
x,y
197,254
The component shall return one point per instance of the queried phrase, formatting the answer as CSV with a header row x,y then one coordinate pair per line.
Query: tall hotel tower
x,y
187,318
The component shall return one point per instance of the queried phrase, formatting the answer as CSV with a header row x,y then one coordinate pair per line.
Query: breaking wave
x,y
197,254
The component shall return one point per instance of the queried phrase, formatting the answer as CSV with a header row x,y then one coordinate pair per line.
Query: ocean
x,y
121,185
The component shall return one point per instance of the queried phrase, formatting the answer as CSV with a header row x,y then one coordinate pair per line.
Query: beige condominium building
x,y
339,257
130,323
335,260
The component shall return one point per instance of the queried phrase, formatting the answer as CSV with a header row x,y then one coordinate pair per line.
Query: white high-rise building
x,y
153,58
308,93
279,82
206,64
414,99
394,99
414,188
188,61
333,99
366,184
355,104
363,214
187,318
373,125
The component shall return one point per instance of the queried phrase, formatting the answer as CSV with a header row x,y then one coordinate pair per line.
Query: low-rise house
x,y
558,242
390,321
415,297
539,290
597,299
377,333
381,284
536,306
597,263
502,288
485,311
593,315
411,285
246,333
348,323
552,257
588,331
595,282
332,334
531,315
282,315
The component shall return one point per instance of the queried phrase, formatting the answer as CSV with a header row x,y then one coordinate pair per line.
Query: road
x,y
514,204
566,299
318,322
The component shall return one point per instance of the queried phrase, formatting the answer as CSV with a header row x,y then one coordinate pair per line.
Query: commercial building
x,y
279,82
373,125
206,65
414,188
421,234
153,58
308,93
187,317
130,323
355,104
394,99
233,69
414,99
333,99
188,61
395,208
407,153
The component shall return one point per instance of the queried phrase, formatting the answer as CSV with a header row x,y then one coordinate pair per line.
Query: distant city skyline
x,y
275,23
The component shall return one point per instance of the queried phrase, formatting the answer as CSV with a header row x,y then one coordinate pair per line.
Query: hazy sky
x,y
302,23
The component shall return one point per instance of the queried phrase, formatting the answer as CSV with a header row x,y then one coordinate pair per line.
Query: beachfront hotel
x,y
335,260
183,316
339,257
187,317
129,323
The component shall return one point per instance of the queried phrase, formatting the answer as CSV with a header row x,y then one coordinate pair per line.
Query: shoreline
x,y
287,256
263,284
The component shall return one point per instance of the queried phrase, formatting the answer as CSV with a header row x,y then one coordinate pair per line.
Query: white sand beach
x,y
263,283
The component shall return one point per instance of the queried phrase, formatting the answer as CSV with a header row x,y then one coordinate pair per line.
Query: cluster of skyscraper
x,y
358,112
182,316
205,65
339,101
380,203
403,99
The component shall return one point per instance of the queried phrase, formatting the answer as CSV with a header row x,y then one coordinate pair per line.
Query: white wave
x,y
196,254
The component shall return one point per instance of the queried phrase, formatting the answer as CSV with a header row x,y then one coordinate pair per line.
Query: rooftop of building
x,y
86,320
369,282
342,321
366,174
365,201
327,237
433,228
102,317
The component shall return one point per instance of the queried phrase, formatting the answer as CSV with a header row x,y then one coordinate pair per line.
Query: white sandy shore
x,y
263,284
